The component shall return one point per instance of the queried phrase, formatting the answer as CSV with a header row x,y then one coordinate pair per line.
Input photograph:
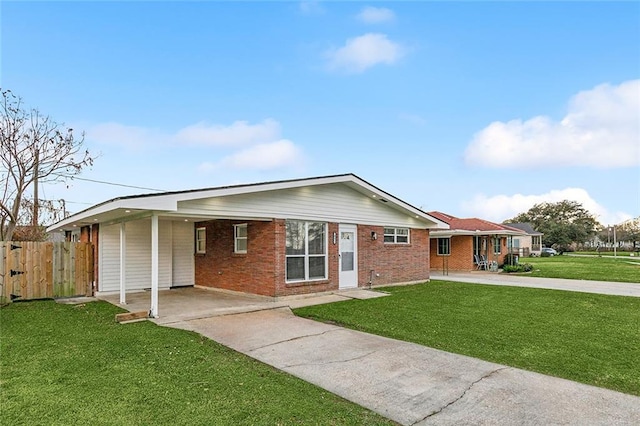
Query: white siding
x,y
109,258
333,203
174,263
183,260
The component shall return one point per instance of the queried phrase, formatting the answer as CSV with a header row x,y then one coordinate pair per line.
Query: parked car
x,y
549,251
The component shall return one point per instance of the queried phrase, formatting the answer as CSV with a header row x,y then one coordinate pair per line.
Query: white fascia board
x,y
150,203
462,232
259,187
375,192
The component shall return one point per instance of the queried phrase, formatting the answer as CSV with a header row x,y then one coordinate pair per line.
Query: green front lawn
x,y
626,269
67,365
584,337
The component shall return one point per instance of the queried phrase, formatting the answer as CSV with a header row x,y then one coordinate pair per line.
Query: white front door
x,y
348,257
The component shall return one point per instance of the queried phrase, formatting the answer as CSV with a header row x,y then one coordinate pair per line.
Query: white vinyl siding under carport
x,y
175,245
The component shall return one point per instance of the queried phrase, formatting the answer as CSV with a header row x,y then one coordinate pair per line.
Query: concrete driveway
x,y
409,383
188,303
584,286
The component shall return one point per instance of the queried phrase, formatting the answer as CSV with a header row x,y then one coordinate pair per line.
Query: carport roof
x,y
135,206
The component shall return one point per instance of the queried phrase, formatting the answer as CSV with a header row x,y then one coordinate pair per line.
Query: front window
x,y
201,240
535,243
496,245
306,250
240,238
444,246
396,235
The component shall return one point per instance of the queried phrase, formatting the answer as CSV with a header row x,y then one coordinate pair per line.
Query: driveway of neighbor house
x,y
409,383
584,286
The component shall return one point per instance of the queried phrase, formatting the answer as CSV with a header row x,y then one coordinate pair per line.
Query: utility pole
x,y
35,190
614,241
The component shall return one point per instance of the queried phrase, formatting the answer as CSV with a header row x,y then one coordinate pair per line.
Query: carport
x,y
190,303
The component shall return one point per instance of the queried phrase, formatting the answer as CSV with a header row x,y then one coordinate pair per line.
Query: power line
x,y
110,183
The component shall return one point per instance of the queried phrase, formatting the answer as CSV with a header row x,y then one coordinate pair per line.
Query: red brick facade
x,y
461,254
262,269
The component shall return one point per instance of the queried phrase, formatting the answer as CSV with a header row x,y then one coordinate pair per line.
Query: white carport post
x,y
153,313
123,263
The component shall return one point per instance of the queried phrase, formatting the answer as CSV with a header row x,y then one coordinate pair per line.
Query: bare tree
x,y
35,148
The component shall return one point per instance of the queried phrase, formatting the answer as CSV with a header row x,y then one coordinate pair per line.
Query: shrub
x,y
511,259
522,267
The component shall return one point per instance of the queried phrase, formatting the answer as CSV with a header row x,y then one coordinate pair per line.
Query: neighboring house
x,y
529,244
273,239
467,241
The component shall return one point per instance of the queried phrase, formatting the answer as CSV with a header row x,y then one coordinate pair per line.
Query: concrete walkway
x,y
409,383
584,286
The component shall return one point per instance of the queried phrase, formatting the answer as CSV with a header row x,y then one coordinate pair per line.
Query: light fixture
x,y
374,235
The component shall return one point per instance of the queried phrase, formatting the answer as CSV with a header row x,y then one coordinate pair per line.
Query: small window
x,y
240,238
396,235
496,245
444,246
201,240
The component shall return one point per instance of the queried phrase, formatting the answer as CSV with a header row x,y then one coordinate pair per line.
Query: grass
x,y
586,268
604,253
583,337
62,364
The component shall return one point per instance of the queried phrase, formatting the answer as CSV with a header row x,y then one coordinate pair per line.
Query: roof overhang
x,y
165,204
476,233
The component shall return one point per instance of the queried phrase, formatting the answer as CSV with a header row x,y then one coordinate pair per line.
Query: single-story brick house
x,y
468,241
273,239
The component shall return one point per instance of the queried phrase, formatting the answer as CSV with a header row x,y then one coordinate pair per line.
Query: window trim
x,y
199,240
438,252
236,238
306,256
395,235
497,248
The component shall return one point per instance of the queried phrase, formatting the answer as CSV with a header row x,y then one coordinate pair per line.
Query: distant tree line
x,y
567,225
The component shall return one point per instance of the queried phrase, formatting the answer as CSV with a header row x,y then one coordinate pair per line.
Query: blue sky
x,y
476,109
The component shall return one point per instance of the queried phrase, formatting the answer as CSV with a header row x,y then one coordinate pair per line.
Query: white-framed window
x,y
396,235
497,249
240,238
306,251
444,246
201,240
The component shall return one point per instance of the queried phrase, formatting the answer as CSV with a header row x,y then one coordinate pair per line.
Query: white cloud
x,y
501,207
238,133
311,8
601,129
268,156
257,146
375,15
413,119
363,52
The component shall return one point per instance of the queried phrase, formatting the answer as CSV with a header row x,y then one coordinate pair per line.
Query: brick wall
x,y
395,263
461,258
262,269
253,272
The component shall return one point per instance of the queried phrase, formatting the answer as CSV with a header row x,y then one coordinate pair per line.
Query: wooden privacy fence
x,y
34,270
